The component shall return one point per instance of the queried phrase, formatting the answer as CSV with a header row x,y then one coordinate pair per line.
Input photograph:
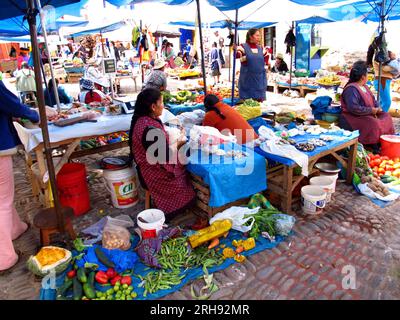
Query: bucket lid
x,y
391,138
114,163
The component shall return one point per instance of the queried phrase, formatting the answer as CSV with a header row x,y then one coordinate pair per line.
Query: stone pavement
x,y
353,234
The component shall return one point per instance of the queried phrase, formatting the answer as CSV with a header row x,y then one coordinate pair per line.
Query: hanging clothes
x,y
135,36
253,77
290,41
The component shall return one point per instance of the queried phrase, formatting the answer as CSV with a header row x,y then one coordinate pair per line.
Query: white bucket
x,y
122,184
313,199
154,222
325,183
334,178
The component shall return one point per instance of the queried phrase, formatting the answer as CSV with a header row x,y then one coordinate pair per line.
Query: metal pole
x,y
39,6
291,63
203,66
234,56
31,15
382,31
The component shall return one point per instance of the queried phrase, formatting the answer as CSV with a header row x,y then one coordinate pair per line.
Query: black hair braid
x,y
209,104
143,104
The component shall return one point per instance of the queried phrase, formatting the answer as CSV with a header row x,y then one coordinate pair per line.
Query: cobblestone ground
x,y
352,233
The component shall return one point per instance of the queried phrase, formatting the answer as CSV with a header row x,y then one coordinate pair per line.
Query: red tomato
x,y
389,168
373,163
378,161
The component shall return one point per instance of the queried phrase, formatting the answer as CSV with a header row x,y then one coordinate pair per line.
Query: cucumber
x,y
78,291
88,287
81,275
61,291
103,258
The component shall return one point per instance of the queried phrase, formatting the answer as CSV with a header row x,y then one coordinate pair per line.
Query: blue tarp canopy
x,y
367,10
15,8
245,25
315,20
16,27
101,29
316,2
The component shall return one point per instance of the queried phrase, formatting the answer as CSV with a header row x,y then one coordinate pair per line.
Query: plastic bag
x,y
237,216
116,234
95,230
284,224
365,190
249,112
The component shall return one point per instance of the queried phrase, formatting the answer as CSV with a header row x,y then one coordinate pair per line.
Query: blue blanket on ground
x,y
230,179
191,274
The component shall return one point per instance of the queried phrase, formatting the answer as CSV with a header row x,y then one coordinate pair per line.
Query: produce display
x,y
305,147
216,230
264,224
383,166
49,259
376,185
184,97
331,80
161,280
104,140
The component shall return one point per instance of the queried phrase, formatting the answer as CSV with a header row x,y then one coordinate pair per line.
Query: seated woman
x,y
360,110
152,150
224,117
179,61
49,96
157,78
89,93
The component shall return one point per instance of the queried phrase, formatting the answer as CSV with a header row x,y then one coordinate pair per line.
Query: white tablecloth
x,y
31,138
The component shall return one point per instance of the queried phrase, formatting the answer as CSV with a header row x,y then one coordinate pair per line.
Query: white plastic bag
x,y
116,234
365,190
238,217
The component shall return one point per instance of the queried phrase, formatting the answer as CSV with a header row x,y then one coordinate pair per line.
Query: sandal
x,y
11,269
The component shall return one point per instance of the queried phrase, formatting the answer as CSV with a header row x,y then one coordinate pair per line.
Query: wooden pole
x,y
203,66
234,56
31,16
291,62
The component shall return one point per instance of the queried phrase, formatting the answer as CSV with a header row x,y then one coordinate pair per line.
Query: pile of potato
x,y
376,185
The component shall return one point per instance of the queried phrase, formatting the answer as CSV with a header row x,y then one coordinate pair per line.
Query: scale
x,y
127,104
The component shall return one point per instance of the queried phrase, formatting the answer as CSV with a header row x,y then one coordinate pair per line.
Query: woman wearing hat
x,y
253,76
280,65
89,93
157,78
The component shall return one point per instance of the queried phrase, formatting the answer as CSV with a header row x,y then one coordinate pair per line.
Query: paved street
x,y
353,232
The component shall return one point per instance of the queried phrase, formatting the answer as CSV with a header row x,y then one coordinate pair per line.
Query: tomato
x,y
378,161
381,171
396,159
391,162
385,158
375,169
389,168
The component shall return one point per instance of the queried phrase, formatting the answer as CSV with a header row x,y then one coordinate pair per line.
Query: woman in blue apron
x,y
253,76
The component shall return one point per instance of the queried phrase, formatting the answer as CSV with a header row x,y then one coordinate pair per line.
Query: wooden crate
x,y
203,197
74,77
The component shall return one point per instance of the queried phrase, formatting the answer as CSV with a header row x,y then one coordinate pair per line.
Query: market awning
x,y
315,20
245,25
15,8
100,29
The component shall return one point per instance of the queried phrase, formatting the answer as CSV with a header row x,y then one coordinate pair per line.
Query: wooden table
x,y
281,179
302,89
203,197
39,187
118,79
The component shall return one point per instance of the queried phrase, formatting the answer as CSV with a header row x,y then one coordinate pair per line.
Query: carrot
x,y
213,243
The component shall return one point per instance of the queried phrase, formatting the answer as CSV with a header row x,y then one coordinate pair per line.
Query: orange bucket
x,y
390,145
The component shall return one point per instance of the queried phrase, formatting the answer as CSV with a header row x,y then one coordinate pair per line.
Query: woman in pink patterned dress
x,y
154,155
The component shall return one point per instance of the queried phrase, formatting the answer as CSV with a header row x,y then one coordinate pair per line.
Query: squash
x,y
49,259
216,230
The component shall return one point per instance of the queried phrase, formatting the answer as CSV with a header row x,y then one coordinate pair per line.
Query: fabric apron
x,y
253,77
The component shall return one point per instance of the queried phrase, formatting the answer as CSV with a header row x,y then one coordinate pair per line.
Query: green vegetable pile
x,y
251,103
173,253
202,256
160,280
264,222
118,292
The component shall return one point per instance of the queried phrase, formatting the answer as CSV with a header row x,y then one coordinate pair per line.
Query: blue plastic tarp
x,y
14,8
101,29
230,179
190,274
315,20
244,25
316,2
364,9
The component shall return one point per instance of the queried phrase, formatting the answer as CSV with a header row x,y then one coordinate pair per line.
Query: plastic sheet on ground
x,y
191,274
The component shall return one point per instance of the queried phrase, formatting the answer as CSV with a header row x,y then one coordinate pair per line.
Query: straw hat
x,y
279,56
158,64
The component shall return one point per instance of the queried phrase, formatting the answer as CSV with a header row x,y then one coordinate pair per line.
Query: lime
x,y
129,298
99,294
103,298
134,294
116,288
125,286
